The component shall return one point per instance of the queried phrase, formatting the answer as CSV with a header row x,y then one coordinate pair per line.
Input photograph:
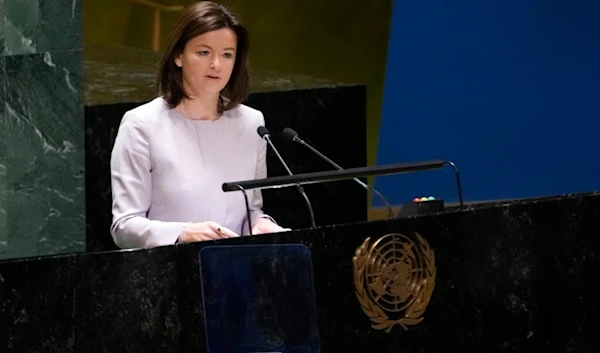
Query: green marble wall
x,y
42,208
340,40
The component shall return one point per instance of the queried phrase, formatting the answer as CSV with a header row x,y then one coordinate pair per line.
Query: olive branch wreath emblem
x,y
421,294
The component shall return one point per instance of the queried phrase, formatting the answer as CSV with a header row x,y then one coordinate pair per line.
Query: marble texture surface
x,y
511,277
116,74
117,293
44,159
3,234
41,128
3,206
37,26
2,20
2,102
35,309
44,107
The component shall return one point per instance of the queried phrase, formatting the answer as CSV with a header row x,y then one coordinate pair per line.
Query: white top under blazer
x,y
167,170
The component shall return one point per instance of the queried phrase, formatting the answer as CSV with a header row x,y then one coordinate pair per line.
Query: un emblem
x,y
394,279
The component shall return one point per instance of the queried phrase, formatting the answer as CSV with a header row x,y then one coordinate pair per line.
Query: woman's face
x,y
207,61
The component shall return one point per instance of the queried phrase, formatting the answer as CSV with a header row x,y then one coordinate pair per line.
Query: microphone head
x,y
262,131
290,134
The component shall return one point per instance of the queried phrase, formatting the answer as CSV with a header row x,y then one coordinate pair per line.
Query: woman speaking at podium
x,y
172,154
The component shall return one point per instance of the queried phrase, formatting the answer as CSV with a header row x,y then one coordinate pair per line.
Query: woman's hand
x,y
265,225
205,231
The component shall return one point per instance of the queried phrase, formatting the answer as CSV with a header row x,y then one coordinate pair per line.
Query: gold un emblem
x,y
394,279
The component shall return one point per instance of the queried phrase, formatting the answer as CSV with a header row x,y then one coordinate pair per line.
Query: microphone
x,y
292,135
263,132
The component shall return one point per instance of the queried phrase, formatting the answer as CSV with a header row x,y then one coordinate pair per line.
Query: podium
x,y
500,277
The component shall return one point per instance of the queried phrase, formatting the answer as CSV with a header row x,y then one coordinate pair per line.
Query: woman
x,y
172,155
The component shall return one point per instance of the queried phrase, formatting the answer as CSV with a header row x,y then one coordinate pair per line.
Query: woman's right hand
x,y
203,231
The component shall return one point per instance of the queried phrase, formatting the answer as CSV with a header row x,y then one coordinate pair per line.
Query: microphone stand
x,y
300,188
338,167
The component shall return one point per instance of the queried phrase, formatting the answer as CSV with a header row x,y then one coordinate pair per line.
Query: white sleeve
x,y
256,202
131,183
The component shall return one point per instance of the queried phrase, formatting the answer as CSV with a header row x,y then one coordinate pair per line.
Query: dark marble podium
x,y
510,277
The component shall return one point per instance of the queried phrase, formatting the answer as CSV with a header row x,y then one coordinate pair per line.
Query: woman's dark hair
x,y
197,19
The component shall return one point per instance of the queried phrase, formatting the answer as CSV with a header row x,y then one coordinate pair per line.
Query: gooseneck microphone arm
x,y
292,135
263,132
